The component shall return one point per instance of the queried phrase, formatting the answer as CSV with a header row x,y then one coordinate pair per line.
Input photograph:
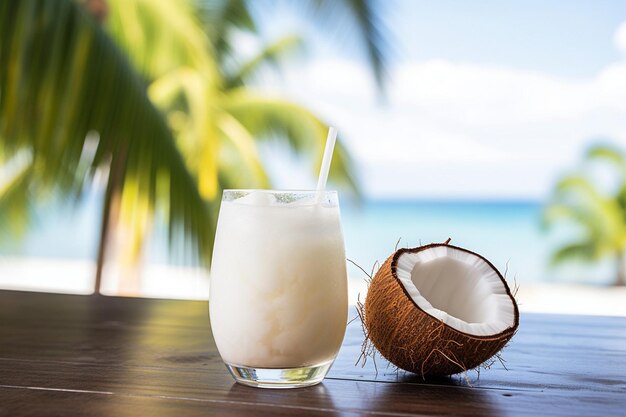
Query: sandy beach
x,y
165,281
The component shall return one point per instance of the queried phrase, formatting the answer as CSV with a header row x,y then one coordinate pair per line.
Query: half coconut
x,y
439,310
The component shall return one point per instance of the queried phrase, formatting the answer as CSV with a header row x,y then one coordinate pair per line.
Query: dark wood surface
x,y
64,355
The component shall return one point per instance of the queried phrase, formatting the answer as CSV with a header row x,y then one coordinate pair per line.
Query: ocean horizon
x,y
507,232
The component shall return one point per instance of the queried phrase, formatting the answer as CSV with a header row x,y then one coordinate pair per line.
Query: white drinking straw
x,y
325,168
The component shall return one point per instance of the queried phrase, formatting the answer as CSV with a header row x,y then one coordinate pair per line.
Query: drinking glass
x,y
278,296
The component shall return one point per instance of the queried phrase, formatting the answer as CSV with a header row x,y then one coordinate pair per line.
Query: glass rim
x,y
265,190
282,198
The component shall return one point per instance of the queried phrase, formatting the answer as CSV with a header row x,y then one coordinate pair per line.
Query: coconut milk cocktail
x,y
278,297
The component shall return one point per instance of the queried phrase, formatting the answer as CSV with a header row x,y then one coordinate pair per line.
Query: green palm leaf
x,y
240,164
270,54
577,199
266,117
161,35
585,251
601,216
370,28
61,77
351,19
220,18
611,155
360,17
15,197
617,159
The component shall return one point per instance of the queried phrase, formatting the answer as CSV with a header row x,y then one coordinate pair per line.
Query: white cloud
x,y
456,129
620,38
485,95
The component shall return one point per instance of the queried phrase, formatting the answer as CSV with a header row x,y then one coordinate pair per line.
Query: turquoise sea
x,y
508,233
502,231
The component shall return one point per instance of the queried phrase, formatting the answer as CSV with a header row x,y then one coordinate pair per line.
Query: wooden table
x,y
106,356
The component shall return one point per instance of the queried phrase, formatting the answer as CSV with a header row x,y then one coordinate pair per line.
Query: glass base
x,y
279,378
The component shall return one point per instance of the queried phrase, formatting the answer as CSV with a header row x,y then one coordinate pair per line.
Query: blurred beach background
x,y
500,125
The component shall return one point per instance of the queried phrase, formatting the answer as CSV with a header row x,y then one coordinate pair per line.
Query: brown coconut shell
x,y
417,342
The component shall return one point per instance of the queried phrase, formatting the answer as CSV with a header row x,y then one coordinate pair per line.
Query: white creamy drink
x,y
278,296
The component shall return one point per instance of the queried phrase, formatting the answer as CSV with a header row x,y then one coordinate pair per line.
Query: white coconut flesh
x,y
457,287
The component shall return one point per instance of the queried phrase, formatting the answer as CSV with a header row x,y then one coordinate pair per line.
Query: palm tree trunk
x,y
621,269
110,212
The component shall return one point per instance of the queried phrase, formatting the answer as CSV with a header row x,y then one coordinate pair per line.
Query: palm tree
x,y
210,107
96,114
345,18
600,216
71,105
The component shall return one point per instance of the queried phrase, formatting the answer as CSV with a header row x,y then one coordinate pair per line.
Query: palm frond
x,y
161,35
609,154
583,251
576,199
360,17
16,198
371,31
556,212
348,17
577,184
266,117
617,159
220,17
243,156
197,137
270,54
61,77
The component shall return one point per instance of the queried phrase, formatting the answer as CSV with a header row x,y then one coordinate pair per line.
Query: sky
x,y
484,99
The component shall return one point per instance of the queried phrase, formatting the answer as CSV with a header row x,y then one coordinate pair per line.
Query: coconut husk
x,y
415,341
